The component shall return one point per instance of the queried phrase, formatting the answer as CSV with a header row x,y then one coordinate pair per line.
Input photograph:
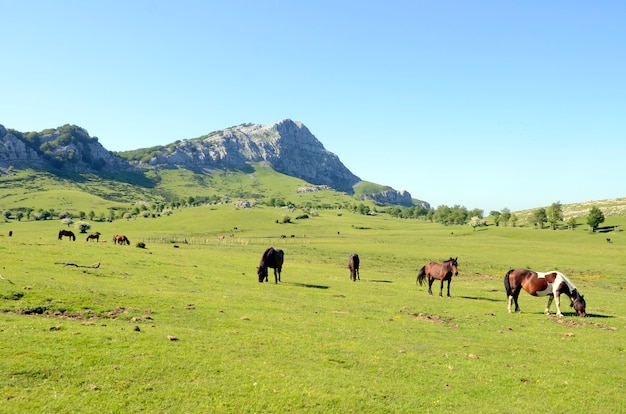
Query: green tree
x,y
555,214
83,226
496,217
539,217
595,218
571,223
505,216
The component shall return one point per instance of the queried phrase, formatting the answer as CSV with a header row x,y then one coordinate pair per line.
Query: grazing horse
x,y
67,233
271,258
442,271
551,283
120,239
94,236
353,265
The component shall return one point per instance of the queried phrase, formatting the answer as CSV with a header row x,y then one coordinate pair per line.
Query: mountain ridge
x,y
286,146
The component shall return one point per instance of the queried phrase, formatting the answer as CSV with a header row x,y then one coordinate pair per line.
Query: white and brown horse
x,y
550,284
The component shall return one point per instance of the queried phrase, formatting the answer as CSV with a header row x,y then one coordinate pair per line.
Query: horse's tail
x,y
507,284
421,275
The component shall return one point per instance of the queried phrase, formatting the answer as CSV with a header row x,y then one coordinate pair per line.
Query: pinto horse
x,y
353,265
442,271
67,233
120,239
271,258
551,283
94,236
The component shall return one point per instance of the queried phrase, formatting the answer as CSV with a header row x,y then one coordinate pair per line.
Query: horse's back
x,y
354,261
280,257
272,257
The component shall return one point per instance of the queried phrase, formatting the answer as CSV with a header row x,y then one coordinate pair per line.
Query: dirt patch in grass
x,y
424,317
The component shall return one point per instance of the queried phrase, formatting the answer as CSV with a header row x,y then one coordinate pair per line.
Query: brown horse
x,y
273,258
120,239
67,233
353,265
550,284
94,236
442,271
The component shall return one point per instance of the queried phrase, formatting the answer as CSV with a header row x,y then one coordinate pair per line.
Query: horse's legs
x,y
441,289
449,280
277,274
557,300
430,284
513,298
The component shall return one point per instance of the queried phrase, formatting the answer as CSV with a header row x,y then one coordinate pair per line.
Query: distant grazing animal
x,y
608,240
67,233
283,236
120,239
273,258
551,283
442,271
94,236
353,265
10,233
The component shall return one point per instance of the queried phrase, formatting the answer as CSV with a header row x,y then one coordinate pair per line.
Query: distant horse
x,y
94,236
551,283
67,233
442,271
353,265
120,239
271,258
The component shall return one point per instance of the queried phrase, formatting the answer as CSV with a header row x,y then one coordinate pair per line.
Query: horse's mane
x,y
265,255
568,282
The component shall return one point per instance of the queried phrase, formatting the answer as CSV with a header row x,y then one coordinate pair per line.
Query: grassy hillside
x,y
34,190
183,325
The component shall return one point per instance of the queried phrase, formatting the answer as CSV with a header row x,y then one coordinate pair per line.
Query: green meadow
x,y
182,325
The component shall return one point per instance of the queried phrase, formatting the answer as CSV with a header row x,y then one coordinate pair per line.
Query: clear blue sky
x,y
485,104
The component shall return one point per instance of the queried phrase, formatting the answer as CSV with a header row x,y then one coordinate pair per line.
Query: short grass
x,y
87,339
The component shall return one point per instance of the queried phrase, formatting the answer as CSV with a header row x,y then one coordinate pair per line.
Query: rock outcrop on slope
x,y
67,148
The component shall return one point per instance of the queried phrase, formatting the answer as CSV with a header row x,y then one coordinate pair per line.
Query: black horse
x,y
353,265
67,233
271,258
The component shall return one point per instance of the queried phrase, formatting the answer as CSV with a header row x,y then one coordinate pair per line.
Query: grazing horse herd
x,y
550,284
117,239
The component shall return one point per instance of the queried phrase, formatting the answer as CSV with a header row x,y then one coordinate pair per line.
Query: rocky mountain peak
x,y
287,146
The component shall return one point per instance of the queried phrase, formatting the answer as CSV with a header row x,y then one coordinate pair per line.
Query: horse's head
x,y
580,305
454,265
261,271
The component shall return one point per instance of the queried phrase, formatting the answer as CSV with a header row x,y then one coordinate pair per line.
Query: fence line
x,y
219,241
